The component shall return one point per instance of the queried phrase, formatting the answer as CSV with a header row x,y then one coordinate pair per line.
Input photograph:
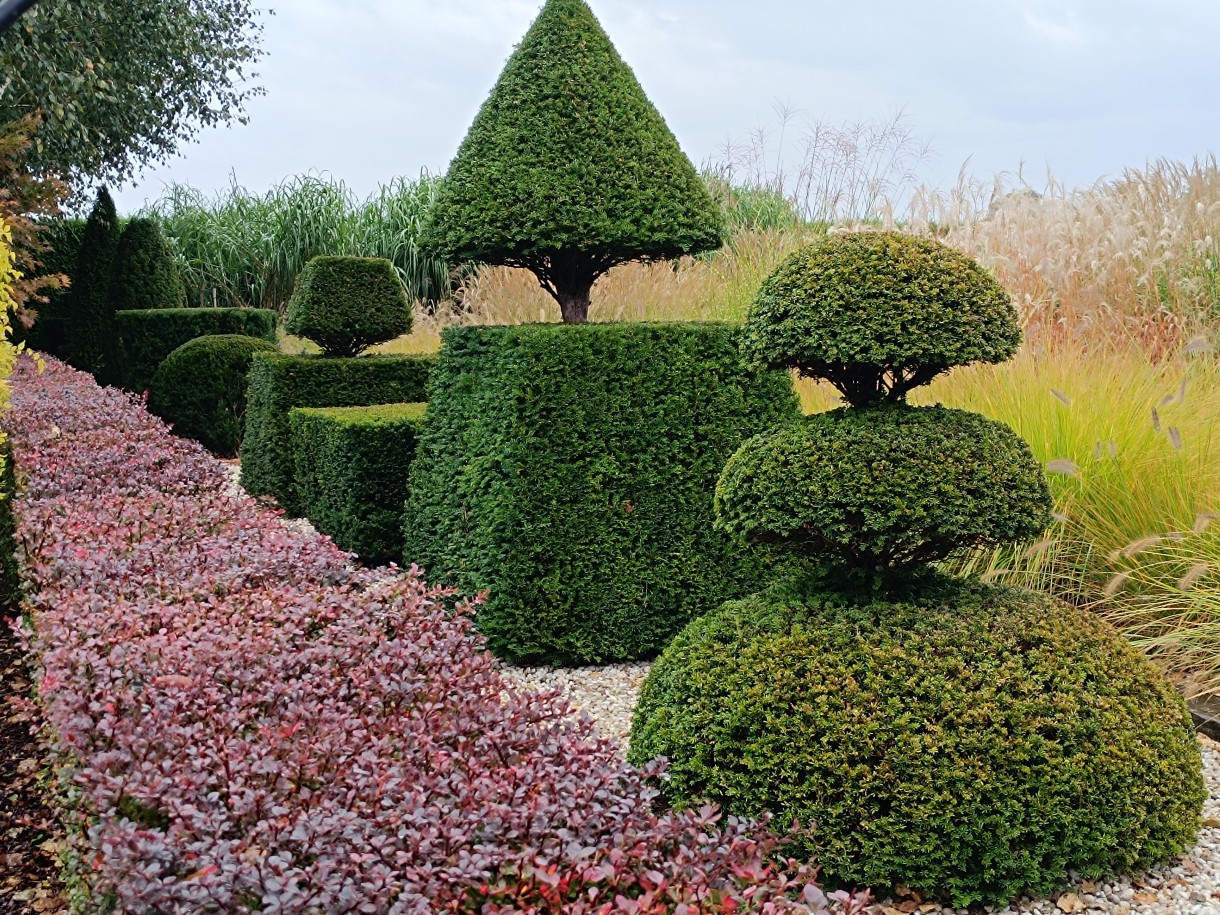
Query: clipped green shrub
x,y
278,383
200,389
351,473
347,304
147,337
569,169
878,314
570,470
63,239
145,274
90,331
965,740
885,487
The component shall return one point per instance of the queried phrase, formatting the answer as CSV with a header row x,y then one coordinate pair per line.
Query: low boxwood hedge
x,y
351,473
147,336
569,469
278,383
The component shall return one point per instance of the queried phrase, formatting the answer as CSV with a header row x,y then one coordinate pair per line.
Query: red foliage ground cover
x,y
250,724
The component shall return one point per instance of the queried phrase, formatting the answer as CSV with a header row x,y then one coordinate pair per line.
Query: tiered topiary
x,y
200,389
347,304
965,740
569,169
145,274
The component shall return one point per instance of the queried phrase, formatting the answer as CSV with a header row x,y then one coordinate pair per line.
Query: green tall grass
x,y
244,248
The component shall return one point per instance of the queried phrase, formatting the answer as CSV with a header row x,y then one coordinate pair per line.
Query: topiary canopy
x,y
879,313
89,318
885,488
347,304
568,168
145,274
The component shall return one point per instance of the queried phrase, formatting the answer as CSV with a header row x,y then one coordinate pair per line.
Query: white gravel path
x,y
1188,886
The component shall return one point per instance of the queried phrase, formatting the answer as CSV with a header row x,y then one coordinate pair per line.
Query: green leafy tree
x,y
145,275
123,83
90,321
569,170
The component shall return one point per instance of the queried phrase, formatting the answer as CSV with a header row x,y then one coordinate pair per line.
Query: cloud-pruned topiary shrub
x,y
145,273
935,481
878,314
569,169
200,389
966,740
347,304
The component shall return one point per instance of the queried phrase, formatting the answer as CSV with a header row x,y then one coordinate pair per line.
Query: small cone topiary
x,y
347,304
969,741
145,273
569,170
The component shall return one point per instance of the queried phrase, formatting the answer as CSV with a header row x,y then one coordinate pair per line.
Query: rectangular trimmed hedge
x,y
278,383
351,473
147,337
570,470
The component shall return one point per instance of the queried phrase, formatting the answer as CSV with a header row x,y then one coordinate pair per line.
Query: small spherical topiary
x,y
200,389
347,304
145,274
884,487
879,313
969,741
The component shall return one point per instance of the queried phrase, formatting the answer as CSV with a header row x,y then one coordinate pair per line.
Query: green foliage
x,y
278,383
879,313
568,169
145,275
90,327
146,338
968,740
347,304
123,83
239,248
351,473
885,487
200,389
570,469
63,239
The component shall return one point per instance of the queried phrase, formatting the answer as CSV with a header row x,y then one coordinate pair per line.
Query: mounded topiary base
x,y
966,740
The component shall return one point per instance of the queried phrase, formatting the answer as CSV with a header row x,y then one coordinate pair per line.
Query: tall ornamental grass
x,y
243,248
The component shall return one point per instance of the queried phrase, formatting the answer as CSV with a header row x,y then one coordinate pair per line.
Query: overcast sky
x,y
370,89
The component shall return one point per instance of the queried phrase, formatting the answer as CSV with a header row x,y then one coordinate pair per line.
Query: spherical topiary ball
x,y
879,313
884,487
200,389
347,304
969,741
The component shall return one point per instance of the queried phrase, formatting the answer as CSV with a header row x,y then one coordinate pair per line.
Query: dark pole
x,y
10,10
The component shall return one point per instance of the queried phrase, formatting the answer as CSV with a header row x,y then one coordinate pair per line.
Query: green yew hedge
x,y
570,469
351,473
147,336
278,383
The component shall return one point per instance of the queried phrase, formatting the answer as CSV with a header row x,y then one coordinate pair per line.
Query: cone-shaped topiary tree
x,y
89,327
569,170
966,740
145,274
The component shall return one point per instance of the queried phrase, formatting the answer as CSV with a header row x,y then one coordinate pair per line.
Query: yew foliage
x,y
249,724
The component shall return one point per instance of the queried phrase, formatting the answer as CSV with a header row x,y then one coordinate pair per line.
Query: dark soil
x,y
30,835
